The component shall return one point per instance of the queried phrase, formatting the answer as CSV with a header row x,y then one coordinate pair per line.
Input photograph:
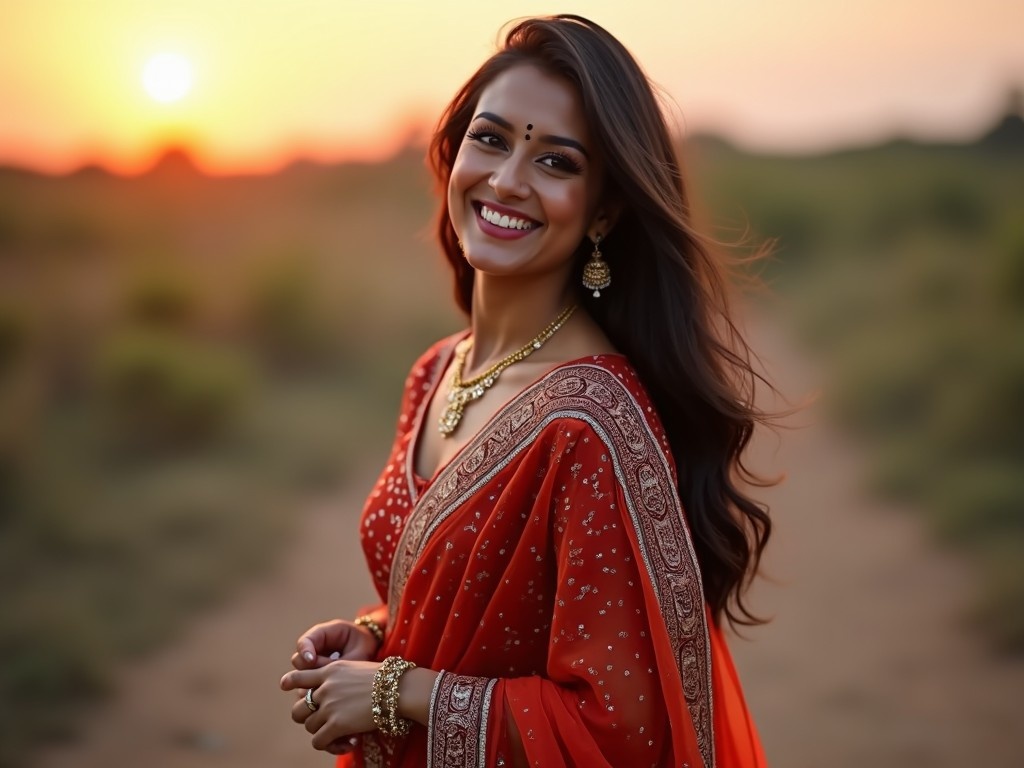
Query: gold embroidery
x,y
593,395
459,710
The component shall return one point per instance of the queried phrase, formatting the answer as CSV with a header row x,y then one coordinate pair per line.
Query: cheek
x,y
463,177
567,204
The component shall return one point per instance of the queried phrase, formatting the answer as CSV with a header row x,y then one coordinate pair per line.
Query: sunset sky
x,y
271,80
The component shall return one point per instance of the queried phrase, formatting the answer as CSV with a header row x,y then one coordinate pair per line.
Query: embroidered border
x,y
591,394
373,756
459,710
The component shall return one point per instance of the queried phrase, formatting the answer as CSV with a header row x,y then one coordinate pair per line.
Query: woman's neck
x,y
508,313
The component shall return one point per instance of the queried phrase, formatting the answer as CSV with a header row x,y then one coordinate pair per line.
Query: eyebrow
x,y
547,138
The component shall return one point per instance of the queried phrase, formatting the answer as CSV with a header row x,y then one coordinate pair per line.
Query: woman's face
x,y
525,185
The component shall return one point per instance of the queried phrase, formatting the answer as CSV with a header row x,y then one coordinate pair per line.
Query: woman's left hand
x,y
341,691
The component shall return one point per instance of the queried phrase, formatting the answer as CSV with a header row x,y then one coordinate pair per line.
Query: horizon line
x,y
191,157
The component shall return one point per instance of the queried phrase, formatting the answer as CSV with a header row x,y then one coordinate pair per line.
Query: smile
x,y
503,220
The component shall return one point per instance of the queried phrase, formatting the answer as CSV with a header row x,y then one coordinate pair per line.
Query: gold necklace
x,y
462,393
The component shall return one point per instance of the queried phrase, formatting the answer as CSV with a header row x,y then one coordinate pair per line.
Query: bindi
x,y
529,127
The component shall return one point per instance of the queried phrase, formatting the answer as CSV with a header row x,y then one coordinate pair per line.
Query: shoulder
x,y
425,368
598,406
602,416
605,392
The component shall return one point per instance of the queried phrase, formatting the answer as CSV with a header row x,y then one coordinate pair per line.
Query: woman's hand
x,y
351,642
341,692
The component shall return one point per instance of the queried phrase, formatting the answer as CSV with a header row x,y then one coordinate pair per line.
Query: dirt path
x,y
865,664
868,661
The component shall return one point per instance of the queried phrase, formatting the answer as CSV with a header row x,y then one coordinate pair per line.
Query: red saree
x,y
549,571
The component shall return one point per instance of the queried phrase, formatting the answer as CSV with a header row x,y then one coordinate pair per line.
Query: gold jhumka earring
x,y
596,274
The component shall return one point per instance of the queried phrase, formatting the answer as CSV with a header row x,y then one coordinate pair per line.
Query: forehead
x,y
525,95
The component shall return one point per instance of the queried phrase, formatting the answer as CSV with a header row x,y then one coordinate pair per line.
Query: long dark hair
x,y
668,307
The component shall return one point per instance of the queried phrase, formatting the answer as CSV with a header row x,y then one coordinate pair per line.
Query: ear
x,y
604,220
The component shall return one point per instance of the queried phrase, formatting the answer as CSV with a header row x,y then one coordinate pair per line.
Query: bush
x,y
14,333
161,391
161,299
915,299
289,325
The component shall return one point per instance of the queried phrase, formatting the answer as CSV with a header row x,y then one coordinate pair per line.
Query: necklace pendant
x,y
461,393
450,418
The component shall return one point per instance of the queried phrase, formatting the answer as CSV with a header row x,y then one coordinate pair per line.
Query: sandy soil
x,y
866,663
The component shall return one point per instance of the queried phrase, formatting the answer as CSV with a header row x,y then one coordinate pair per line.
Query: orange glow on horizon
x,y
332,81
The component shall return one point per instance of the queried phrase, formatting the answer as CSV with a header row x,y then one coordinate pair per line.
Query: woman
x,y
545,599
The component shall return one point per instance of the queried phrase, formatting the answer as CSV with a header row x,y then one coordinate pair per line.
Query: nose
x,y
508,179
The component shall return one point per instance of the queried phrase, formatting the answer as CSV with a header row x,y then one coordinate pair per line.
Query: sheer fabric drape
x,y
548,570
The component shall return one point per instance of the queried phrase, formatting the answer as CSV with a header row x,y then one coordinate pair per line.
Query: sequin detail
x,y
594,396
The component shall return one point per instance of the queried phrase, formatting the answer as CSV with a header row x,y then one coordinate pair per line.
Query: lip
x,y
500,232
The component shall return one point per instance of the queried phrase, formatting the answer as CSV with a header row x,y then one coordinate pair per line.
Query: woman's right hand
x,y
339,639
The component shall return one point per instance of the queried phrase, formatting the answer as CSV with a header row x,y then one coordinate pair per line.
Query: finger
x,y
302,678
342,746
298,662
307,645
315,639
323,638
327,735
300,712
315,721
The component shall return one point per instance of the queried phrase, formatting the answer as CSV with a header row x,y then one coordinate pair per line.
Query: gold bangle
x,y
371,624
384,697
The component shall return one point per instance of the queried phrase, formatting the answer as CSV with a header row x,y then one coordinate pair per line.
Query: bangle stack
x,y
371,624
384,697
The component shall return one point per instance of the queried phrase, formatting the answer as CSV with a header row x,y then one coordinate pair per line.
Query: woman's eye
x,y
486,138
560,162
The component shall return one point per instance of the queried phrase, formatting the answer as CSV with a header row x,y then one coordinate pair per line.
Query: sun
x,y
167,77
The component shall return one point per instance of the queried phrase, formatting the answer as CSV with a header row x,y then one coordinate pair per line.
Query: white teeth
x,y
503,220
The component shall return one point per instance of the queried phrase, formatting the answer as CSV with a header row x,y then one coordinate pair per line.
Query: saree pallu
x,y
548,570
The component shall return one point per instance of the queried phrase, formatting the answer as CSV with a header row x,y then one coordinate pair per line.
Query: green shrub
x,y
287,319
162,299
978,504
50,665
14,336
914,296
999,610
162,391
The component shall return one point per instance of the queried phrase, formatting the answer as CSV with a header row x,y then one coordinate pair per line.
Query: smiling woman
x,y
167,77
559,533
539,189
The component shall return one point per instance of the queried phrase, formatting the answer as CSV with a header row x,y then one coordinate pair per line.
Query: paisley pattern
x,y
587,393
459,709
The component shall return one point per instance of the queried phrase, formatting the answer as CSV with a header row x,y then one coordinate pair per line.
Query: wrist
x,y
385,697
371,626
414,692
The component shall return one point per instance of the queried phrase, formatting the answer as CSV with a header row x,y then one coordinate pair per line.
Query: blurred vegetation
x,y
184,360
903,266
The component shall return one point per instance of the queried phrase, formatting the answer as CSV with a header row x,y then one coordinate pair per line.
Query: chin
x,y
491,257
492,266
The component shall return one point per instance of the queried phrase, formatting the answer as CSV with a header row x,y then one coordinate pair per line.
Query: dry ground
x,y
866,663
